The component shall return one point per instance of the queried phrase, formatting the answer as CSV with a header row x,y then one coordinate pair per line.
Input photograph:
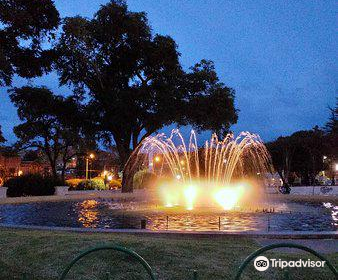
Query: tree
x,y
282,151
23,26
2,138
331,140
310,149
331,126
33,155
302,152
134,80
54,124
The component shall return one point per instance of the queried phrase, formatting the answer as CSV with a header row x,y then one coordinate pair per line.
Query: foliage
x,y
144,179
91,184
31,185
54,124
32,155
115,184
73,183
23,26
134,81
331,138
331,126
302,152
2,138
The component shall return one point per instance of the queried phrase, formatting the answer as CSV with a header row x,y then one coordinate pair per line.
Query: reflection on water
x,y
229,222
107,213
88,213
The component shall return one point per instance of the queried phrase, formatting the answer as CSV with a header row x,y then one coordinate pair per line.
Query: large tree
x,y
282,152
302,152
134,81
52,123
23,27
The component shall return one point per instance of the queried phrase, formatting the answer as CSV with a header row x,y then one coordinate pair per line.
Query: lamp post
x,y
91,156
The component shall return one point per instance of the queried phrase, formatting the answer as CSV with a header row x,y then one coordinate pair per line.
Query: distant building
x,y
33,167
9,166
13,165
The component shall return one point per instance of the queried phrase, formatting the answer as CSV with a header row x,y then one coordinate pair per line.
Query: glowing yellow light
x,y
178,177
20,172
110,177
227,197
182,162
190,194
92,156
168,194
105,172
157,159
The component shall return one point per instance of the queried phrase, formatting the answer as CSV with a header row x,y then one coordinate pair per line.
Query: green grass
x,y
43,255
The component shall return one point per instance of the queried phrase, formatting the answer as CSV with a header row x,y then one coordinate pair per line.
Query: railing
x,y
129,252
151,274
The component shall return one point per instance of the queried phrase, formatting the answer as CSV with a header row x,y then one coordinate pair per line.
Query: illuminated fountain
x,y
216,174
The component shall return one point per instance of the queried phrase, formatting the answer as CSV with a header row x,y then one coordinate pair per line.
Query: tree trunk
x,y
54,171
127,179
129,171
63,171
124,152
123,148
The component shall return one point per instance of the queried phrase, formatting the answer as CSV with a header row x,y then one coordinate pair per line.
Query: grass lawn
x,y
43,255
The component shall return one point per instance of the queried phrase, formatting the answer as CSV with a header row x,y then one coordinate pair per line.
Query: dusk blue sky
x,y
279,55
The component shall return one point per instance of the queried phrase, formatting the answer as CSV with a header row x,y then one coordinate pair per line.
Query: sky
x,y
280,56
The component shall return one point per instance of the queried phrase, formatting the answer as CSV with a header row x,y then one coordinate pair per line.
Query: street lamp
x,y
91,156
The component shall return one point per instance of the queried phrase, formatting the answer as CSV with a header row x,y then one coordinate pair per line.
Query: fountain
x,y
213,187
221,172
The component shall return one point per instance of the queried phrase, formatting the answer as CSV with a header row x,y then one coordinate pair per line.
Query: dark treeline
x,y
305,153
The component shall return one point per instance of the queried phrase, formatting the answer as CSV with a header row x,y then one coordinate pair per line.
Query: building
x,y
9,166
12,165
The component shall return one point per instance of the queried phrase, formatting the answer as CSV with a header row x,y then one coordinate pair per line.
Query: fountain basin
x,y
118,214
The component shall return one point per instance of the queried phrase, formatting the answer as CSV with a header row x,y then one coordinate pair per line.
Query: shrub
x,y
73,183
92,184
115,184
144,179
96,183
31,184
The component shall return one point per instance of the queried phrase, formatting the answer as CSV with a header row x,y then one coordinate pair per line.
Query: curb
x,y
250,234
